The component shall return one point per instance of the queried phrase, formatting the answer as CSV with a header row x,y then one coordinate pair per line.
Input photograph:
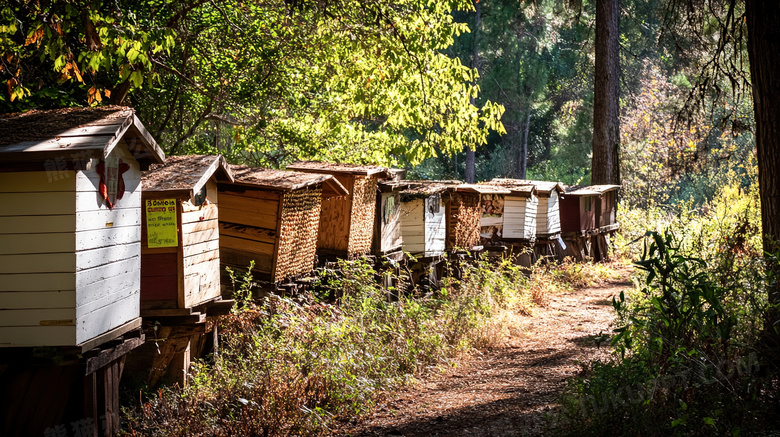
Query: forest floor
x,y
507,390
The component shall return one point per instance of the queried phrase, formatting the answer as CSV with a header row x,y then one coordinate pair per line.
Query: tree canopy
x,y
265,82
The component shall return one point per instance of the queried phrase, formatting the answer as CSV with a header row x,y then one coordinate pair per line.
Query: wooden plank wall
x,y
516,212
335,219
159,265
532,209
248,228
200,253
388,223
111,261
492,221
607,209
588,215
548,217
464,216
300,220
413,225
56,237
435,226
361,230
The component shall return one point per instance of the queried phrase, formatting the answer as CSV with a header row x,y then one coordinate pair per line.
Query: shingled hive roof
x,y
284,180
425,187
481,189
590,190
186,173
38,134
542,187
334,168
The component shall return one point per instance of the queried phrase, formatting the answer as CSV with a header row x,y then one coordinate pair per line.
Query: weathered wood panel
x,y
112,268
244,210
25,336
106,218
297,244
38,263
464,214
548,220
247,232
492,221
87,259
361,228
210,233
241,259
32,224
38,181
38,317
515,214
413,226
388,223
532,208
201,282
199,216
335,219
435,226
199,248
112,315
37,299
197,259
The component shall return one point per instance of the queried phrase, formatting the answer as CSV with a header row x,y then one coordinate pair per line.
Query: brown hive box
x,y
180,241
347,223
273,218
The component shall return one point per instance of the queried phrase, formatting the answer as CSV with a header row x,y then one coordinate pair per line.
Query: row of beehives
x,y
75,223
98,229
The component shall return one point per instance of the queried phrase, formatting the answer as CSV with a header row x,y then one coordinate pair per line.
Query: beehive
x,y
272,217
70,257
423,216
548,219
587,217
70,225
347,223
464,214
180,263
387,225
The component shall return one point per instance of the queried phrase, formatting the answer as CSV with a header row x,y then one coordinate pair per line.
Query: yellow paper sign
x,y
161,223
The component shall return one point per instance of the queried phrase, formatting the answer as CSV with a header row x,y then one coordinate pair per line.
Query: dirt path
x,y
503,391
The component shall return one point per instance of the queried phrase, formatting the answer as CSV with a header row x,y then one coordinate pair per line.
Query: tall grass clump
x,y
287,366
688,347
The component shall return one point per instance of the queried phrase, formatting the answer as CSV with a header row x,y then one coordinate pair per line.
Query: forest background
x,y
407,83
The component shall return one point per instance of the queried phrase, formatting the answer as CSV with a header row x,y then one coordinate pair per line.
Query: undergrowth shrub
x,y
287,366
688,357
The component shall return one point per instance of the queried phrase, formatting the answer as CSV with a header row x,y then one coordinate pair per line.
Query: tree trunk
x,y
470,165
606,111
522,155
763,46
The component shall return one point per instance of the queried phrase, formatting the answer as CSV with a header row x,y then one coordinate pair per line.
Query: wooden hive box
x,y
273,218
423,217
180,236
509,214
588,208
465,214
387,225
347,223
548,217
70,225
